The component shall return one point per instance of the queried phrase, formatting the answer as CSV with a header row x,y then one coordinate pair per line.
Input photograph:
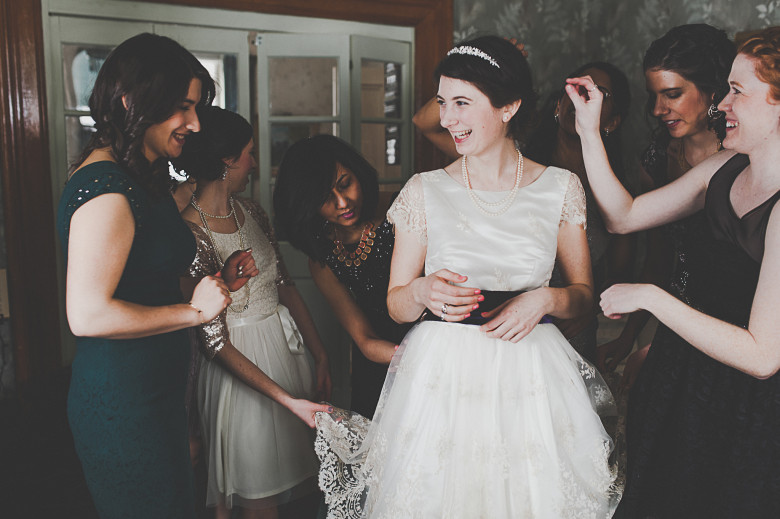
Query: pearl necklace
x,y
504,204
203,214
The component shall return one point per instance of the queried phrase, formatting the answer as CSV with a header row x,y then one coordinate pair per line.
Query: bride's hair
x,y
499,70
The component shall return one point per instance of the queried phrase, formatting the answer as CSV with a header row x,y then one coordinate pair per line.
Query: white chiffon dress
x,y
468,426
259,454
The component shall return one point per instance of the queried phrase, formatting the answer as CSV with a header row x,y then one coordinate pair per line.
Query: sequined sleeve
x,y
407,213
283,277
574,210
213,335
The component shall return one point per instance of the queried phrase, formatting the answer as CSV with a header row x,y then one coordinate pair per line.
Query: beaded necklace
x,y
503,204
203,214
361,252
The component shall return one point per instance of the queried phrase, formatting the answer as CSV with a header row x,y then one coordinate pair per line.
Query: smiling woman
x,y
126,247
705,410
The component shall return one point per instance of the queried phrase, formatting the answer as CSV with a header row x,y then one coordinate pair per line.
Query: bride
x,y
486,411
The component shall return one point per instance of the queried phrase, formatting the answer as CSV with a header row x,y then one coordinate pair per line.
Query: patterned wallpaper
x,y
560,35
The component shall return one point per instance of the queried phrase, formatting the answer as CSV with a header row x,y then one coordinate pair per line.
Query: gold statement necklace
x,y
203,214
361,252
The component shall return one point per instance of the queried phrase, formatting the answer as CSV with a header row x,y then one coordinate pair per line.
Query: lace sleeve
x,y
283,277
213,334
574,210
407,213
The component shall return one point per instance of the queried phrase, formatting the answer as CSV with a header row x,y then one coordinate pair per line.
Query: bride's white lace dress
x,y
468,426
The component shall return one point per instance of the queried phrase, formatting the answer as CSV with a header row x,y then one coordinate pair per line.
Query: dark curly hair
x,y
223,136
151,74
543,139
303,184
503,85
700,53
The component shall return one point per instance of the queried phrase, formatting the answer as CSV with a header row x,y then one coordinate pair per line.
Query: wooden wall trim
x,y
29,219
24,149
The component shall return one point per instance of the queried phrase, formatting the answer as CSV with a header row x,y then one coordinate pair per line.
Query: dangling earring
x,y
713,112
555,116
606,132
225,172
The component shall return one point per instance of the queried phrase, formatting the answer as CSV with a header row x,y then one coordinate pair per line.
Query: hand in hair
x,y
587,100
520,46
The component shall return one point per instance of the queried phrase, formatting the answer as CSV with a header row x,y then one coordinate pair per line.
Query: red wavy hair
x,y
764,48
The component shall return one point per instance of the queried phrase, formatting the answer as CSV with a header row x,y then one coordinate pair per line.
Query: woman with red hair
x,y
704,413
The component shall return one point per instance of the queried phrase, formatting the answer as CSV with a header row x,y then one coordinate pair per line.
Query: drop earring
x,y
555,116
713,112
225,172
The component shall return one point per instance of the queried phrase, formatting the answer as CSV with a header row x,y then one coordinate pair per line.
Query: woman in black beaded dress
x,y
705,410
686,74
325,198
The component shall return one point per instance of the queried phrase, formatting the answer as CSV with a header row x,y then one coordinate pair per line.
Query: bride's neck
x,y
494,168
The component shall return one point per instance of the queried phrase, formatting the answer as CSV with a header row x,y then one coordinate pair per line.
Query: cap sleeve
x,y
574,210
407,213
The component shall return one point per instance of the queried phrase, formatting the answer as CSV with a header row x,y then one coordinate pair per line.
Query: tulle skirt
x,y
473,427
259,454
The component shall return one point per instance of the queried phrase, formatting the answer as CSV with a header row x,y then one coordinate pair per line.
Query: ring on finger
x,y
444,308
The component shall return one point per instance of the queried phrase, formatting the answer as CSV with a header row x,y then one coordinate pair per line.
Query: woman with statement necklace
x,y
254,380
325,200
487,410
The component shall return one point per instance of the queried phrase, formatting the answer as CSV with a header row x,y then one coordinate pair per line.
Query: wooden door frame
x,y
24,147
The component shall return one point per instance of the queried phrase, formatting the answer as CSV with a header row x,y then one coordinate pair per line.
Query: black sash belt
x,y
493,299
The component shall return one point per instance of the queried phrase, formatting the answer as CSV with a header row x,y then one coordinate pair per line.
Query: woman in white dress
x,y
487,411
254,381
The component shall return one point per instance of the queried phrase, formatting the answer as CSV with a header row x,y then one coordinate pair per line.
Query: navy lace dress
x,y
126,398
368,285
704,438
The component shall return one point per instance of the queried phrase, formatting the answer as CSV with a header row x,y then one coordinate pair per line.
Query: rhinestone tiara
x,y
473,51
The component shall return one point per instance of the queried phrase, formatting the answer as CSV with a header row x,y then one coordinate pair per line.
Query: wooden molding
x,y
26,189
24,148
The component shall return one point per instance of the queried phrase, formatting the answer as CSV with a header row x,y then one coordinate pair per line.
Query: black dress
x,y
704,438
681,234
368,285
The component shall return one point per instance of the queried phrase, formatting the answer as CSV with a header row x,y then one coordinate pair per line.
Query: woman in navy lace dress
x,y
705,409
325,201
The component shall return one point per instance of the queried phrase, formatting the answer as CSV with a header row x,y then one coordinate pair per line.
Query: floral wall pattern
x,y
560,35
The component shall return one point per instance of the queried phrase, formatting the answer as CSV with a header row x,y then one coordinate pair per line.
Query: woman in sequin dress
x,y
554,141
126,247
254,380
705,409
686,73
325,201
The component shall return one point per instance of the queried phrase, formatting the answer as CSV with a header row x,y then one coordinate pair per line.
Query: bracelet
x,y
200,312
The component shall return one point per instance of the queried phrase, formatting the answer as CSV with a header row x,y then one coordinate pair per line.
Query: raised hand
x,y
238,268
587,99
211,297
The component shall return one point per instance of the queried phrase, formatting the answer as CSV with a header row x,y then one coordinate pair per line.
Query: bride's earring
x,y
225,172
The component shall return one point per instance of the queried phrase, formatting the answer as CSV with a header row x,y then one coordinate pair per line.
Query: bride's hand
x,y
516,318
450,302
587,99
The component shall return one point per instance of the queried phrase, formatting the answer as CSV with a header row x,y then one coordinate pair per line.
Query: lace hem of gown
x,y
343,442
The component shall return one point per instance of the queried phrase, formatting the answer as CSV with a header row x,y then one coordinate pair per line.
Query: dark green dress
x,y
126,400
